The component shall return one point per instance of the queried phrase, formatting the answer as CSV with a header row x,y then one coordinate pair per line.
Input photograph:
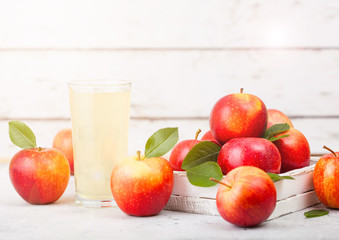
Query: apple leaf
x,y
202,152
21,135
161,142
200,175
276,129
277,177
316,213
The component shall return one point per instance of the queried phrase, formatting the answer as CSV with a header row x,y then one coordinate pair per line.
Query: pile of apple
x,y
238,123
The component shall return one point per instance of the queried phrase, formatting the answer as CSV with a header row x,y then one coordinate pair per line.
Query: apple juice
x,y
100,138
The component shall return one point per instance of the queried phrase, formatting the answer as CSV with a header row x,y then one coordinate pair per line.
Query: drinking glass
x,y
100,117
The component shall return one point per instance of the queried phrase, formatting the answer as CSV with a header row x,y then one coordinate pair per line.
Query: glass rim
x,y
99,83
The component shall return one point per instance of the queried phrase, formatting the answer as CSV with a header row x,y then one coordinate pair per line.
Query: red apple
x,y
142,186
63,142
257,152
238,115
180,151
326,179
276,117
208,136
39,175
246,196
294,150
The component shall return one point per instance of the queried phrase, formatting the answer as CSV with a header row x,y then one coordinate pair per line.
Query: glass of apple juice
x,y
100,117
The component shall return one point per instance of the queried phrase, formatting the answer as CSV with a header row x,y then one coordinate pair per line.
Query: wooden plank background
x,y
181,57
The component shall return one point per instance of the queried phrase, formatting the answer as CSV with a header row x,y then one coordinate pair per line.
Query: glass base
x,y
93,203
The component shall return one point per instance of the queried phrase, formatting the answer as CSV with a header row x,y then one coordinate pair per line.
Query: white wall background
x,y
181,56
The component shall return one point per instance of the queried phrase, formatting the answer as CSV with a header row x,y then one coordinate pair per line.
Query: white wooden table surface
x,y
65,220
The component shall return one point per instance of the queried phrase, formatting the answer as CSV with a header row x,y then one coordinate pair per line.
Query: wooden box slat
x,y
292,195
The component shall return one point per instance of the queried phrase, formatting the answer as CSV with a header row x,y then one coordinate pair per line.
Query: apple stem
x,y
39,149
329,149
241,90
197,134
217,181
138,155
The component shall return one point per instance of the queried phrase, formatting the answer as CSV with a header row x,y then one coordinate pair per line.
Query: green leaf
x,y
202,152
272,139
161,142
276,129
277,177
200,175
21,135
316,213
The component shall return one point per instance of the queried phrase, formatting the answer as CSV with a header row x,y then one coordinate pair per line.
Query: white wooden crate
x,y
292,195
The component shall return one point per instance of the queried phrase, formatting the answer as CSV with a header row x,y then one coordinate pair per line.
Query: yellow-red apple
x,y
142,186
246,196
180,151
257,152
326,179
275,117
39,175
294,150
208,136
238,115
63,142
